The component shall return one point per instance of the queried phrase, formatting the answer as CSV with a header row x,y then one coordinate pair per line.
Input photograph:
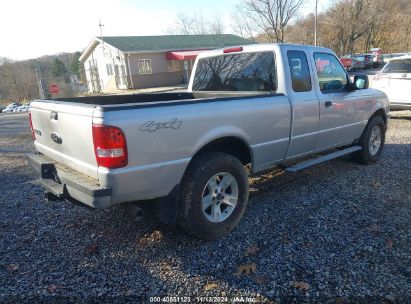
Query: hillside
x,y
21,80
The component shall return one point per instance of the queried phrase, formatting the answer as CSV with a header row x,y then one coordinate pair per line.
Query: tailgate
x,y
64,134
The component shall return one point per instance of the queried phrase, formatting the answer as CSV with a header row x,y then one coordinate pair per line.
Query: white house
x,y
134,62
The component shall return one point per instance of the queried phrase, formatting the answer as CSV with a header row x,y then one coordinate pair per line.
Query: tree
x,y
184,24
197,24
269,17
355,26
75,64
216,25
4,60
18,81
58,68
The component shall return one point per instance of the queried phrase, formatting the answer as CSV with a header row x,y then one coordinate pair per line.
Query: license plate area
x,y
48,171
50,179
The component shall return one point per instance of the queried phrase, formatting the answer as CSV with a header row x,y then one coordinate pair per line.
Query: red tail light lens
x,y
33,135
233,50
109,146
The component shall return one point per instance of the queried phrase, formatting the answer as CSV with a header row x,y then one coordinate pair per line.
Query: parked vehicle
x,y
377,58
357,62
369,63
258,105
395,81
387,57
23,108
347,62
11,107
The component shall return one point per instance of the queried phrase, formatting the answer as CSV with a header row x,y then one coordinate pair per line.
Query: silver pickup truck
x,y
247,109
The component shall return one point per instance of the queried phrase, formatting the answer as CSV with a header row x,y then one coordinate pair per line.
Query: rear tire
x,y
372,141
214,195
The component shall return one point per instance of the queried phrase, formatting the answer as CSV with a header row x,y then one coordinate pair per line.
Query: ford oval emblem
x,y
56,138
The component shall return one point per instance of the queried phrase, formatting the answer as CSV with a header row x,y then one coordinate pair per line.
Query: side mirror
x,y
361,81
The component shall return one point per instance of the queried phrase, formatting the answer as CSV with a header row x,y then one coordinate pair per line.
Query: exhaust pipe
x,y
134,211
50,197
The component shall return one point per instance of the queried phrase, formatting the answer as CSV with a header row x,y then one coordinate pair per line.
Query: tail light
x,y
110,146
233,50
33,135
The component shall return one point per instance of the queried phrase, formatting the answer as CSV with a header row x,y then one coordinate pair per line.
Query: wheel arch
x,y
380,112
232,145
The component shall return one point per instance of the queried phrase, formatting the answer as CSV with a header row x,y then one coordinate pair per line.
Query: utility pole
x,y
39,78
315,22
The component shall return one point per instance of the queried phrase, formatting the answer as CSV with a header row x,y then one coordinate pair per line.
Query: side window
x,y
331,75
300,74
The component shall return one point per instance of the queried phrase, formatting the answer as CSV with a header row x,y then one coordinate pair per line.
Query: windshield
x,y
236,72
398,66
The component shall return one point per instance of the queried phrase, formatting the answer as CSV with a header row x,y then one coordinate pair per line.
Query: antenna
x,y
100,25
315,22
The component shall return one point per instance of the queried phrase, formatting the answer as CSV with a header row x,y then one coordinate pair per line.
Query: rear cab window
x,y
332,77
299,71
236,72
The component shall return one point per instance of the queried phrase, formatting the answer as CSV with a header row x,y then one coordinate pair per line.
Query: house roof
x,y
141,44
173,42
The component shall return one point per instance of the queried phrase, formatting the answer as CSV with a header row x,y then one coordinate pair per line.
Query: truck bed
x,y
159,98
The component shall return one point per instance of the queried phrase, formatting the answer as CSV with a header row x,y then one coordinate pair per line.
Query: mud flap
x,y
168,206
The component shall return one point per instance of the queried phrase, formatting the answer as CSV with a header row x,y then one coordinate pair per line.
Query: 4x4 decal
x,y
152,126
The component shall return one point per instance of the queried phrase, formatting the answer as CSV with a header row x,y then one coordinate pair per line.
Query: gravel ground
x,y
335,233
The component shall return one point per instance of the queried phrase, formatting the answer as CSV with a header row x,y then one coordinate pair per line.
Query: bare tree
x,y
184,24
197,24
270,17
18,81
241,26
216,24
200,24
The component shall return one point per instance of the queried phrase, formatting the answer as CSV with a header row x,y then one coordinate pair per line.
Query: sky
x,y
33,28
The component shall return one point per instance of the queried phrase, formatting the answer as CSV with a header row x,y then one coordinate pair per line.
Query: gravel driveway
x,y
336,233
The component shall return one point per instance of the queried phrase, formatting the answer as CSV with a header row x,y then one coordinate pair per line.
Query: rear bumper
x,y
68,184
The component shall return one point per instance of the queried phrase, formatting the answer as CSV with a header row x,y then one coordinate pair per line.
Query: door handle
x,y
54,116
328,104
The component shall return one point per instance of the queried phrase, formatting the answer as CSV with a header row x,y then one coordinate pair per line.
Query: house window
x,y
109,69
174,66
144,66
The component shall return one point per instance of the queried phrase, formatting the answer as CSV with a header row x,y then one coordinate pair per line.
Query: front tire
x,y
214,195
372,141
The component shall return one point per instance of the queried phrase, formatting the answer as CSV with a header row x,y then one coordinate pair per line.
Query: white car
x,y
11,107
23,108
395,81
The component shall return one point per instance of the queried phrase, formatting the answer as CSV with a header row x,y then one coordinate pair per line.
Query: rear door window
x,y
300,74
236,72
331,75
398,66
